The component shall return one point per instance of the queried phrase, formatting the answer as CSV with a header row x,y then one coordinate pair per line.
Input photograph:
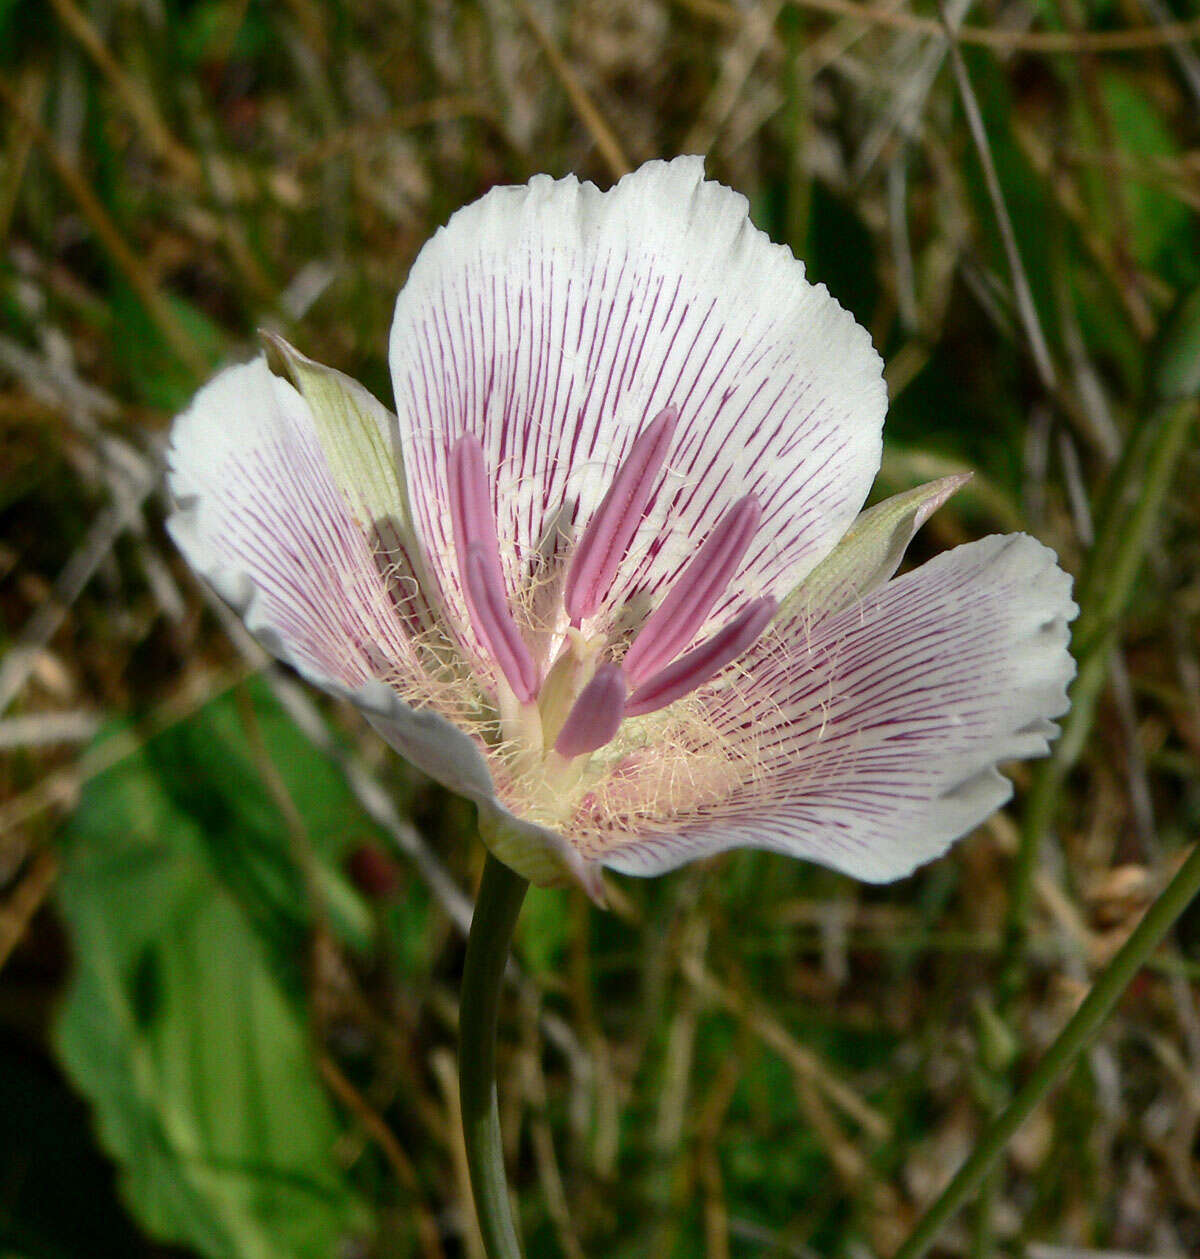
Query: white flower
x,y
602,573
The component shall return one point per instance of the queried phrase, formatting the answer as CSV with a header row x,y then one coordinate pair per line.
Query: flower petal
x,y
554,322
876,730
357,436
260,517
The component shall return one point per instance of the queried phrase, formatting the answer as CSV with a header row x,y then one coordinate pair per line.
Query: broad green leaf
x,y
184,1024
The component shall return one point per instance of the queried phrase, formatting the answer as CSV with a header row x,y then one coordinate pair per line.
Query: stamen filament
x,y
610,531
596,714
703,662
678,618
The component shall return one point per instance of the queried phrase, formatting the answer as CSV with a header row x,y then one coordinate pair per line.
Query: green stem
x,y
497,907
1084,1024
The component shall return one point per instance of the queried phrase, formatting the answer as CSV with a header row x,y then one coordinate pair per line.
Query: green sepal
x,y
871,551
356,434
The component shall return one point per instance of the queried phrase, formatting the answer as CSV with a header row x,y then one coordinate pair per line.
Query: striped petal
x,y
875,730
555,322
261,515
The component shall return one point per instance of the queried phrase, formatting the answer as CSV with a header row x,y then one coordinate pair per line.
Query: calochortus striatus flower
x,y
603,571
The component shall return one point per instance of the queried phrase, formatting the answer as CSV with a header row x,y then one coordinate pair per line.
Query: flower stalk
x,y
497,907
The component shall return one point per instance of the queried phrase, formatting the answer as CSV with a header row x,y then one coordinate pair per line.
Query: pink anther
x,y
494,624
482,577
471,500
610,531
678,618
703,662
596,714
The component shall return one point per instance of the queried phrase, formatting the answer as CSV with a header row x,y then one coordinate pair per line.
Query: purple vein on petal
x,y
703,662
678,618
610,531
596,714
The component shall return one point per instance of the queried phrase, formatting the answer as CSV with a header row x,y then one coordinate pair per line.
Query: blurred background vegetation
x,y
231,923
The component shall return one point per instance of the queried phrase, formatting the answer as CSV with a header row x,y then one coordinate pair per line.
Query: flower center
x,y
580,704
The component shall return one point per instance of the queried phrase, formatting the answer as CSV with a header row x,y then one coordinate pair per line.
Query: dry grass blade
x,y
402,1166
30,93
1022,290
90,206
752,37
1069,43
422,114
61,788
749,1056
446,1074
19,660
591,117
43,729
542,1138
139,103
802,1060
25,900
366,787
